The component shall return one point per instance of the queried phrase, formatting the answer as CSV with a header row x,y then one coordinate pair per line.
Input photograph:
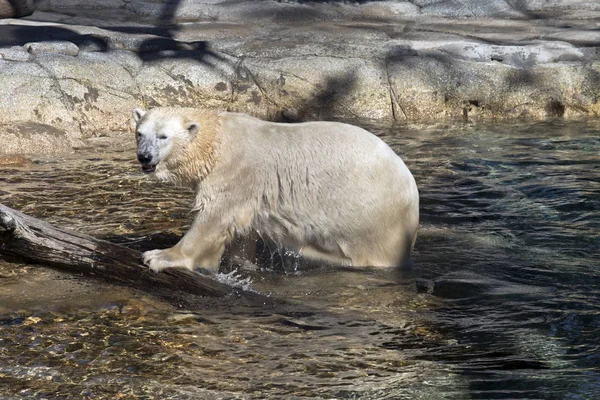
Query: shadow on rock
x,y
161,48
328,98
19,35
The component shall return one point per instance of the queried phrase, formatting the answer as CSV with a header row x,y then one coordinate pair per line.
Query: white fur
x,y
330,190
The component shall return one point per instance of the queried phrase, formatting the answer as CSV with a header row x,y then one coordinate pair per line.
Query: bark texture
x,y
34,241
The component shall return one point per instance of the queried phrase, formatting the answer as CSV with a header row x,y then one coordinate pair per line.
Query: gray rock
x,y
383,9
30,93
14,53
58,47
295,60
295,11
15,8
438,87
96,88
468,8
315,87
185,10
74,4
204,82
519,56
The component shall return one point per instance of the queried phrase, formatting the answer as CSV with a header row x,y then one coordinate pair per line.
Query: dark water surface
x,y
507,266
511,234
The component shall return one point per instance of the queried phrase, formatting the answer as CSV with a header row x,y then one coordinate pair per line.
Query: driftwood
x,y
29,239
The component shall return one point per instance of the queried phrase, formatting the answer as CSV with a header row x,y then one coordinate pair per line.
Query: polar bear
x,y
329,190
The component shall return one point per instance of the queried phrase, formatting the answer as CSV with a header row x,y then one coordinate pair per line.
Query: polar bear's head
x,y
160,132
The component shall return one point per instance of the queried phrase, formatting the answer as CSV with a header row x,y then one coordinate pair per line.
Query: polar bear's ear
x,y
192,127
138,114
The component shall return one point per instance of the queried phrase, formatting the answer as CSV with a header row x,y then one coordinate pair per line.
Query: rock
x,y
424,286
468,8
299,10
316,87
14,161
82,4
15,8
383,9
184,10
33,138
58,47
15,53
197,78
519,56
96,88
93,61
30,93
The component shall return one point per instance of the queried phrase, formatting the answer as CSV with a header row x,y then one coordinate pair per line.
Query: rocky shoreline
x,y
68,72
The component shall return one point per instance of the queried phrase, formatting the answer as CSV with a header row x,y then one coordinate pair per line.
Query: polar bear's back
x,y
329,184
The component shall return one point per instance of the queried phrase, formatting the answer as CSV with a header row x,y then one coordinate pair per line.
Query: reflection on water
x,y
507,306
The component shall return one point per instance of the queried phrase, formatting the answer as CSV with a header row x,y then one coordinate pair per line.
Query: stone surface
x,y
14,161
53,46
14,53
30,93
81,66
30,137
15,8
295,10
198,80
313,87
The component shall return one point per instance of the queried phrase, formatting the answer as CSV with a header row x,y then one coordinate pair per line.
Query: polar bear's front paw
x,y
157,260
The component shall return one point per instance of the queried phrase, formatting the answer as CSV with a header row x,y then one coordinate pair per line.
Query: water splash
x,y
236,280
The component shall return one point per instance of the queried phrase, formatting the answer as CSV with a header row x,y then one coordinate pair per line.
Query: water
x,y
506,266
514,212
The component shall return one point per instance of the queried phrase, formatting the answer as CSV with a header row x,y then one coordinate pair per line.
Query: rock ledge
x,y
81,72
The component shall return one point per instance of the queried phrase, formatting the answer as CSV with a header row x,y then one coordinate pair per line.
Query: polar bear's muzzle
x,y
147,165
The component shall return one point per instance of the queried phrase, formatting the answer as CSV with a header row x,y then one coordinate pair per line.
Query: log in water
x,y
29,239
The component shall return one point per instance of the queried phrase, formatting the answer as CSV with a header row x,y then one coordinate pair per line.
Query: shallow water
x,y
506,266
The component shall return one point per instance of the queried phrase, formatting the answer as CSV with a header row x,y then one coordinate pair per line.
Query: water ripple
x,y
508,252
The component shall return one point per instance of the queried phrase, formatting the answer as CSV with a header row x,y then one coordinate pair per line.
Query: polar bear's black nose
x,y
144,158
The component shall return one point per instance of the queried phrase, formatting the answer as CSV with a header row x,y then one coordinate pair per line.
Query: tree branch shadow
x,y
163,44
326,102
19,35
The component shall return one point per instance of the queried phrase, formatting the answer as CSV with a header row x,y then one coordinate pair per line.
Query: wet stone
x,y
424,286
14,161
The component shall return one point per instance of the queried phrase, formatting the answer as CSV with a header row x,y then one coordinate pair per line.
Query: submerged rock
x,y
14,161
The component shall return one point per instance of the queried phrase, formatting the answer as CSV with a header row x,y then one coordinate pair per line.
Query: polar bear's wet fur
x,y
330,191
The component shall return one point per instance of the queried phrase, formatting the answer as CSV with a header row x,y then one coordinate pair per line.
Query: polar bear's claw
x,y
157,260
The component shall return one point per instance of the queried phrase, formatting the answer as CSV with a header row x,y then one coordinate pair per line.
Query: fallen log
x,y
25,238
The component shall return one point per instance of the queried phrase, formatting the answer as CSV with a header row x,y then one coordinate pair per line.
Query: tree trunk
x,y
29,239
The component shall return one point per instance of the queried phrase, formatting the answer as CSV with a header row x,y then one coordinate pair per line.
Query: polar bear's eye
x,y
162,137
